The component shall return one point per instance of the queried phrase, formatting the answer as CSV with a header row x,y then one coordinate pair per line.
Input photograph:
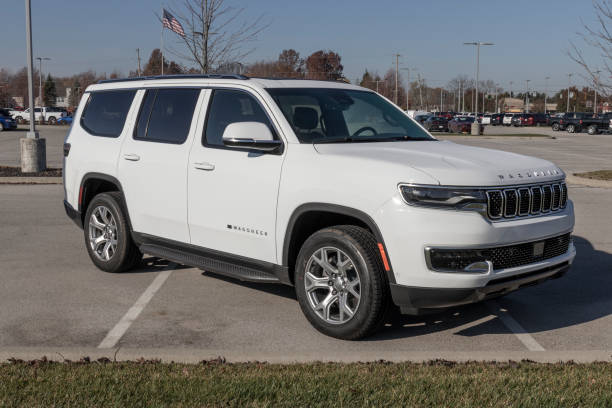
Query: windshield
x,y
321,115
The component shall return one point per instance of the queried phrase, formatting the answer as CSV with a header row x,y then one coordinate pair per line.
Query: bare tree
x,y
598,36
214,35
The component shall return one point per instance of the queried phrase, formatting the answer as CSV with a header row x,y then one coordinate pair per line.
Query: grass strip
x,y
433,384
596,175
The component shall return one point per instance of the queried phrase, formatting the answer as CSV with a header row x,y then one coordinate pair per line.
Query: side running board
x,y
210,264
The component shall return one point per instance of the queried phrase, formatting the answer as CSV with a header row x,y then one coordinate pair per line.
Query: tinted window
x,y
227,107
105,112
166,114
337,115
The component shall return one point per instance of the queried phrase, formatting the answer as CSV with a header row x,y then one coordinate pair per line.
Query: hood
x,y
450,163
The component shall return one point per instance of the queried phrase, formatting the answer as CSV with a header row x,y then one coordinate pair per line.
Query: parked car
x,y
46,114
486,119
496,119
422,118
239,176
65,120
448,115
6,122
594,124
554,121
529,119
436,124
573,121
507,120
462,124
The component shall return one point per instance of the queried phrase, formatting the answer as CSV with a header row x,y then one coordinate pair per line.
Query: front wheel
x,y
341,284
555,127
107,234
52,120
571,129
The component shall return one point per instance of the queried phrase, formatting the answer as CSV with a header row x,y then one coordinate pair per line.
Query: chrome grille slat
x,y
529,200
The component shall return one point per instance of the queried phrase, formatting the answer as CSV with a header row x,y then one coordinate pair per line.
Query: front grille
x,y
502,257
526,200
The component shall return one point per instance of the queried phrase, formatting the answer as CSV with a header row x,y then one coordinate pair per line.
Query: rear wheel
x,y
52,120
341,284
107,234
571,129
592,130
555,127
19,120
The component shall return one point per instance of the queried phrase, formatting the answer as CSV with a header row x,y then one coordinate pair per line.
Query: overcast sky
x,y
531,37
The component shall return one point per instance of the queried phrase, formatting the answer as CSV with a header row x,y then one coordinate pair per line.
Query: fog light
x,y
457,260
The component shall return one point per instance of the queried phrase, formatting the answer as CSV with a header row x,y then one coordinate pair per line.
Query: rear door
x,y
153,162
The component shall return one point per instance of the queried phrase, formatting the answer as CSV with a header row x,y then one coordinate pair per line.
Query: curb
x,y
190,356
31,180
588,182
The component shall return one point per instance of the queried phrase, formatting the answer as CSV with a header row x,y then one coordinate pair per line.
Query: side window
x,y
106,111
227,107
165,115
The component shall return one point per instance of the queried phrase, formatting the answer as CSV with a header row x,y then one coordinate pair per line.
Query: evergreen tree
x,y
50,92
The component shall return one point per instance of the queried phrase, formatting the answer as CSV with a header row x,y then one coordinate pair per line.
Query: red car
x,y
462,124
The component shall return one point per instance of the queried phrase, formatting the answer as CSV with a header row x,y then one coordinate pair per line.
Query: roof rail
x,y
178,76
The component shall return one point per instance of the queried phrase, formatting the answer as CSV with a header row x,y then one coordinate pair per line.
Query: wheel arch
x,y
93,184
311,217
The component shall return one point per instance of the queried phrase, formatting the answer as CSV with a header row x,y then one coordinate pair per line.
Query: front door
x,y
233,192
153,162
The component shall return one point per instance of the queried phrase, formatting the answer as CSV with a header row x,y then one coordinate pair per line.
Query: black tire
x,y
19,120
127,255
52,120
374,304
570,128
592,130
555,127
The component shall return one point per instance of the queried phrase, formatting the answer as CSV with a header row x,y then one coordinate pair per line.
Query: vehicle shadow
x,y
153,264
581,296
271,288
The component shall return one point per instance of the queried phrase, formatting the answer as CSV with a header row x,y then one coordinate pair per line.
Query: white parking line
x,y
113,336
514,326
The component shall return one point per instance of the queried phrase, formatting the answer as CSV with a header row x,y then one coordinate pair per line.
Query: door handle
x,y
204,166
131,157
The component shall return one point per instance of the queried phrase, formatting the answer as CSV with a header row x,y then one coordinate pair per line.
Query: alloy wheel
x,y
103,233
332,284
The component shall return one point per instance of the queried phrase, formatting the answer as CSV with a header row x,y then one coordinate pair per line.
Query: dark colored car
x,y
496,119
462,124
573,121
436,124
6,121
421,118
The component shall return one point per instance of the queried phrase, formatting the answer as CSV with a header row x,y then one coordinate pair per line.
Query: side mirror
x,y
250,135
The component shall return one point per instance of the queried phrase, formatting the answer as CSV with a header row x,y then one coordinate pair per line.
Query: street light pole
x,y
408,87
545,93
527,96
475,125
569,84
596,86
33,149
40,75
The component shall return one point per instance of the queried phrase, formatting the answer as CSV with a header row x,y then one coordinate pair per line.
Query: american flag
x,y
172,24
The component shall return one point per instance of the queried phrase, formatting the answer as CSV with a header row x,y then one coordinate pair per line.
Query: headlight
x,y
444,197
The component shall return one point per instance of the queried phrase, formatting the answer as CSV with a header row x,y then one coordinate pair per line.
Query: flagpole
x,y
162,41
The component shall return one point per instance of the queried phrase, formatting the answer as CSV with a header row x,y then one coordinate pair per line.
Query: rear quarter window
x,y
106,111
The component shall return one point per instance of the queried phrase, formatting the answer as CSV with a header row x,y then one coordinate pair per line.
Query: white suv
x,y
325,186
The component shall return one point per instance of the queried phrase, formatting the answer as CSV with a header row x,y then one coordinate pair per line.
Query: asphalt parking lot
x,y
53,298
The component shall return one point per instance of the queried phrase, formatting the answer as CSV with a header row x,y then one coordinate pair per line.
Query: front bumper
x,y
415,300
